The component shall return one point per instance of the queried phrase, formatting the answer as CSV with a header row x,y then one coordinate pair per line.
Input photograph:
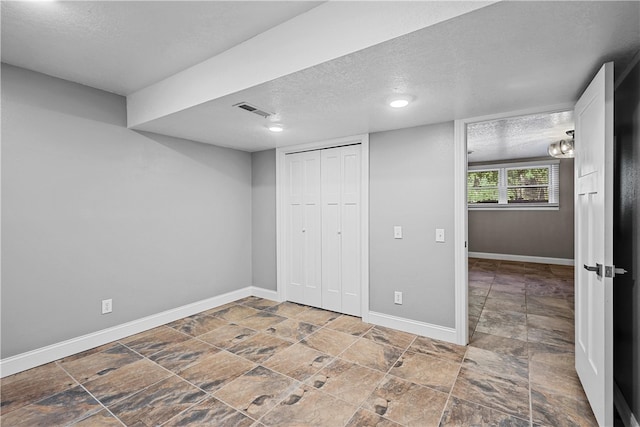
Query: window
x,y
483,186
514,185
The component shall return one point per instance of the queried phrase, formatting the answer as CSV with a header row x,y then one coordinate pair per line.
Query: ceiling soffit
x,y
329,31
510,56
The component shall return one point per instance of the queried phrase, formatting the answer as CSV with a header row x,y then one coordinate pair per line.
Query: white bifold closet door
x,y
341,229
304,254
323,229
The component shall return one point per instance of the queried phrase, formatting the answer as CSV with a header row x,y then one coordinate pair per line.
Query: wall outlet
x,y
107,306
397,297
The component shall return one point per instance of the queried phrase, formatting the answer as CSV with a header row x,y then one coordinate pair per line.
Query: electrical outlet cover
x,y
397,297
107,306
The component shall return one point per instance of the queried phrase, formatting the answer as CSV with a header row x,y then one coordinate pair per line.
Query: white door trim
x,y
460,208
363,140
460,222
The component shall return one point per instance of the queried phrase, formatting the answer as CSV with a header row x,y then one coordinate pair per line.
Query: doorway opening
x,y
520,220
507,141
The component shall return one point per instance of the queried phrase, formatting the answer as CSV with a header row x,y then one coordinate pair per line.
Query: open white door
x,y
594,243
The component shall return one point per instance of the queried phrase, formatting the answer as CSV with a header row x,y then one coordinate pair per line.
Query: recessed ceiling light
x,y
400,101
275,127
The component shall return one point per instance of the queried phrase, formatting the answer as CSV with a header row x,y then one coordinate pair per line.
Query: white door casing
x,y
341,264
285,287
460,214
594,164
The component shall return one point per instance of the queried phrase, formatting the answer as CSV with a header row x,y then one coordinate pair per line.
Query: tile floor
x,y
258,363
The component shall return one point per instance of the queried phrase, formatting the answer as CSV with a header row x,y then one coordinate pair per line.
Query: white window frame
x,y
554,188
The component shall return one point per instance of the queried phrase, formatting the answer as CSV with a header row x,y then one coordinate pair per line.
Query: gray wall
x,y
92,210
263,218
626,240
532,233
411,185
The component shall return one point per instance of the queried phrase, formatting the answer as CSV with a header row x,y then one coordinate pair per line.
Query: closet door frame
x,y
281,152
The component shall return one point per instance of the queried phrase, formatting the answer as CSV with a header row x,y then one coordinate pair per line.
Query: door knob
x,y
609,270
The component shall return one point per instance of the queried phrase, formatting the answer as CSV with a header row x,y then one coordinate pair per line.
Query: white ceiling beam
x,y
329,31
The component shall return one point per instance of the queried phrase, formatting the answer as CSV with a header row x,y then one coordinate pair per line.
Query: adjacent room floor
x,y
258,363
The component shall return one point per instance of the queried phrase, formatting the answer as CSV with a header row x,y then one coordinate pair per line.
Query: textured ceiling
x,y
504,57
517,137
123,46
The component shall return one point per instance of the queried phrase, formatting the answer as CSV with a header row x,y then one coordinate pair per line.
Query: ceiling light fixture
x,y
564,148
400,101
275,127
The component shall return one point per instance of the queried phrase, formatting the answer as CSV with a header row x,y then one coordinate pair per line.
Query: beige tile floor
x,y
258,363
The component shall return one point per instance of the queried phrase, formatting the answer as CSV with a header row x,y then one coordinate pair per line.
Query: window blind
x,y
515,184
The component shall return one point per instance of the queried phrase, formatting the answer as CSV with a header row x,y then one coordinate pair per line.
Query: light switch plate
x,y
397,232
439,234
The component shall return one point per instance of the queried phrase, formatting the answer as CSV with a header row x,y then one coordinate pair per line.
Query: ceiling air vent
x,y
253,109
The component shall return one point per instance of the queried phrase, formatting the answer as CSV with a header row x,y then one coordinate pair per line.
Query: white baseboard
x,y
41,356
265,293
522,258
31,359
620,402
413,326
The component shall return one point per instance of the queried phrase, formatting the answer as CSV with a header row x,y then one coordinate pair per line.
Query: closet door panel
x,y
297,274
303,228
312,228
331,233
350,226
313,255
351,174
350,260
331,249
